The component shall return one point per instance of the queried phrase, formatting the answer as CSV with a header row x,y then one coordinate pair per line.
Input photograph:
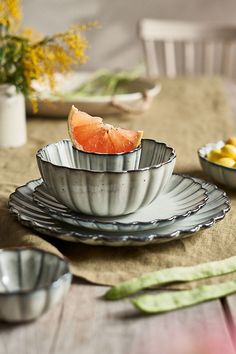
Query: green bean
x,y
178,299
170,275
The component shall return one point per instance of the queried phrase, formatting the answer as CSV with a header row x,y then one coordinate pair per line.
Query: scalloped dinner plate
x,y
22,205
182,197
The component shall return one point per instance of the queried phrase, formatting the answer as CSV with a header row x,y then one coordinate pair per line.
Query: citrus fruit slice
x,y
90,134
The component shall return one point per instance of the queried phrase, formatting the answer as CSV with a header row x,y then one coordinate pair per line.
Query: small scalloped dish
x,y
99,146
220,174
32,281
125,161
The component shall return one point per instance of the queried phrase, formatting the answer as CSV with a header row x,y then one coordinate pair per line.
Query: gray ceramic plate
x,y
182,197
21,204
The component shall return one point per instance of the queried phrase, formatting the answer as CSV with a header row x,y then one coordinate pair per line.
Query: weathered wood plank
x,y
86,324
229,305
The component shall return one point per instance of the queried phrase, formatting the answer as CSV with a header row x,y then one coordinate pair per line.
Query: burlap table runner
x,y
187,114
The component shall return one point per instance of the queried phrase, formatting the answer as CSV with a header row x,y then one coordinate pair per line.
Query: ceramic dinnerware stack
x,y
116,200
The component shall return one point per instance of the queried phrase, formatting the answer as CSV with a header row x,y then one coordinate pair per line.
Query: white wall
x,y
115,45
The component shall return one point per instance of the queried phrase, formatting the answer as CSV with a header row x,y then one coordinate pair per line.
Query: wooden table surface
x,y
86,324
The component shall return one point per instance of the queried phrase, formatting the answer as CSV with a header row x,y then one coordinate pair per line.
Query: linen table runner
x,y
187,114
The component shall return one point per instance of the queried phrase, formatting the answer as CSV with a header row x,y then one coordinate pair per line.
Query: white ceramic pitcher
x,y
12,117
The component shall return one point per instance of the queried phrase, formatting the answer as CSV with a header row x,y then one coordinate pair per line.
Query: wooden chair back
x,y
174,48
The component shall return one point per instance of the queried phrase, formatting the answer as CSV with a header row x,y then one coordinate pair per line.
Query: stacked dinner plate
x,y
116,200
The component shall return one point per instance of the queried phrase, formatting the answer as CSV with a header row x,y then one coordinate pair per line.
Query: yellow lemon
x,y
226,161
231,141
229,151
214,155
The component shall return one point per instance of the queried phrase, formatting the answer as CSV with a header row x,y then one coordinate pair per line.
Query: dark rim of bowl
x,y
104,154
54,284
171,158
213,163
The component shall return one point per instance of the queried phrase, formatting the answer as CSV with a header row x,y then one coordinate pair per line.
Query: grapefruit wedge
x,y
90,134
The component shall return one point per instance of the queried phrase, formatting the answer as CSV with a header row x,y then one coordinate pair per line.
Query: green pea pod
x,y
170,275
104,83
178,299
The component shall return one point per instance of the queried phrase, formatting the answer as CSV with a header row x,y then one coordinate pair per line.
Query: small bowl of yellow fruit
x,y
218,161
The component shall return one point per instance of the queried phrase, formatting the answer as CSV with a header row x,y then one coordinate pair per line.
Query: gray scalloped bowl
x,y
31,282
220,174
123,161
106,193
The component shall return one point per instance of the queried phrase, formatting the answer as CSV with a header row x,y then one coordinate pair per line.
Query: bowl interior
x,y
204,151
152,154
29,269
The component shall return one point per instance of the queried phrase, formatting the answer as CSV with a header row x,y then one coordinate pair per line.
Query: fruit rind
x,y
98,137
